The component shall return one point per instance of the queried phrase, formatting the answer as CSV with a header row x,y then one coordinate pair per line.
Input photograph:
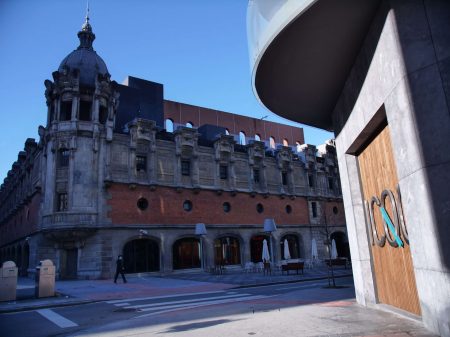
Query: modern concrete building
x,y
117,171
377,73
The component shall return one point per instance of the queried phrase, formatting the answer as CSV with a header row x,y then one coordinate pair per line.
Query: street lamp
x,y
269,228
200,230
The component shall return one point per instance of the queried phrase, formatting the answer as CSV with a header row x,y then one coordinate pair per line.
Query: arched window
x,y
272,142
186,253
190,124
257,137
242,138
298,146
293,244
141,255
342,246
227,251
169,125
285,142
227,132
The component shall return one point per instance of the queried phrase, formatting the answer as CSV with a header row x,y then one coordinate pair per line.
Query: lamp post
x,y
327,242
200,231
269,228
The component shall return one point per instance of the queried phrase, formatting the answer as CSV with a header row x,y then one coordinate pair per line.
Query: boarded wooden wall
x,y
394,272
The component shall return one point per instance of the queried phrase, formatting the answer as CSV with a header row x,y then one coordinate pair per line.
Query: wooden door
x,y
394,273
70,264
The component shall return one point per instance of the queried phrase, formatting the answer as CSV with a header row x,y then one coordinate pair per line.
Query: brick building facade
x,y
117,170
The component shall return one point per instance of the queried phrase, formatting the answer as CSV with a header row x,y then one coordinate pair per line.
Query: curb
x,y
32,307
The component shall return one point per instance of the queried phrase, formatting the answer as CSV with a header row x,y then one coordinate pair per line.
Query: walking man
x,y
120,269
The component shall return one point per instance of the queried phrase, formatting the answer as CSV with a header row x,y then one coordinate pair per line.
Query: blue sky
x,y
196,48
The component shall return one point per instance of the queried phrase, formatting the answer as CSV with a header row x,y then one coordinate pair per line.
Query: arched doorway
x,y
19,259
256,246
227,251
13,255
26,259
294,246
342,246
141,255
186,253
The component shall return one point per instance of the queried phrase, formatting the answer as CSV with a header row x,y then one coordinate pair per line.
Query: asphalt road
x,y
214,305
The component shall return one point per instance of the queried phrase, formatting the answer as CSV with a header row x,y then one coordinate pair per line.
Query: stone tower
x,y
82,103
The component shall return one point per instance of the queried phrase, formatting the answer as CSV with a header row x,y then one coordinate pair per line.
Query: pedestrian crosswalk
x,y
168,303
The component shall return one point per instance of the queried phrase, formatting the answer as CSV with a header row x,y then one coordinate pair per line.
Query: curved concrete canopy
x,y
303,63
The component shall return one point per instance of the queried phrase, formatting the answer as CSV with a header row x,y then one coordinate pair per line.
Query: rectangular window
x,y
85,110
186,167
141,163
65,113
284,178
330,183
102,114
314,209
223,172
62,202
311,180
63,158
256,177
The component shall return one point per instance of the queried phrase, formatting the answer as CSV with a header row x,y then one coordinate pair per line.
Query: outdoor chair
x,y
249,267
259,267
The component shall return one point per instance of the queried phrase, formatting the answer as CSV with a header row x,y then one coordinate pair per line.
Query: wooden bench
x,y
292,266
336,262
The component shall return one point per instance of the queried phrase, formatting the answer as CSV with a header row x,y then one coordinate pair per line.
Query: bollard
x,y
45,279
8,281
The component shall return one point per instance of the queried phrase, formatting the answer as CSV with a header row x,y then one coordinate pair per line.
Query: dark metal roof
x,y
302,72
88,63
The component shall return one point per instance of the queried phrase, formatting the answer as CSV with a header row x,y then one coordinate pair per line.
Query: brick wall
x,y
165,206
22,223
182,113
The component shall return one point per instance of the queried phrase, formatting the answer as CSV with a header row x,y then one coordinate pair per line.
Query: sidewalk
x,y
87,291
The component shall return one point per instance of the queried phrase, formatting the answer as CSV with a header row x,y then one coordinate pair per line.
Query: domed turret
x,y
82,89
84,59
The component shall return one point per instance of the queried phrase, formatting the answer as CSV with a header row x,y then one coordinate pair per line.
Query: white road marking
x,y
199,304
194,300
57,319
164,296
122,304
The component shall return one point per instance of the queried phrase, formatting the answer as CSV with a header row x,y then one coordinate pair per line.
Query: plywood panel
x,y
394,272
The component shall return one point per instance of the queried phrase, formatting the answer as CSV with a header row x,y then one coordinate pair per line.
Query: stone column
x,y
74,115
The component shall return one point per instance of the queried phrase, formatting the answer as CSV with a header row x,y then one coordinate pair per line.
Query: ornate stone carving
x,y
186,142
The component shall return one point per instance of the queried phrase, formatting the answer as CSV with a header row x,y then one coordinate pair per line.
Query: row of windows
x,y
141,166
84,113
143,204
169,124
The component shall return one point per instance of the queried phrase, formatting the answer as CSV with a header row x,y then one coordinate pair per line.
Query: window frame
x,y
141,163
223,172
185,167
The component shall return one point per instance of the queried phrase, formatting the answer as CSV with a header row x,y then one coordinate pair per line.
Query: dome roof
x,y
87,62
84,58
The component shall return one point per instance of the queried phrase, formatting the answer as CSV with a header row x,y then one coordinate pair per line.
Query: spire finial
x,y
86,35
86,25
